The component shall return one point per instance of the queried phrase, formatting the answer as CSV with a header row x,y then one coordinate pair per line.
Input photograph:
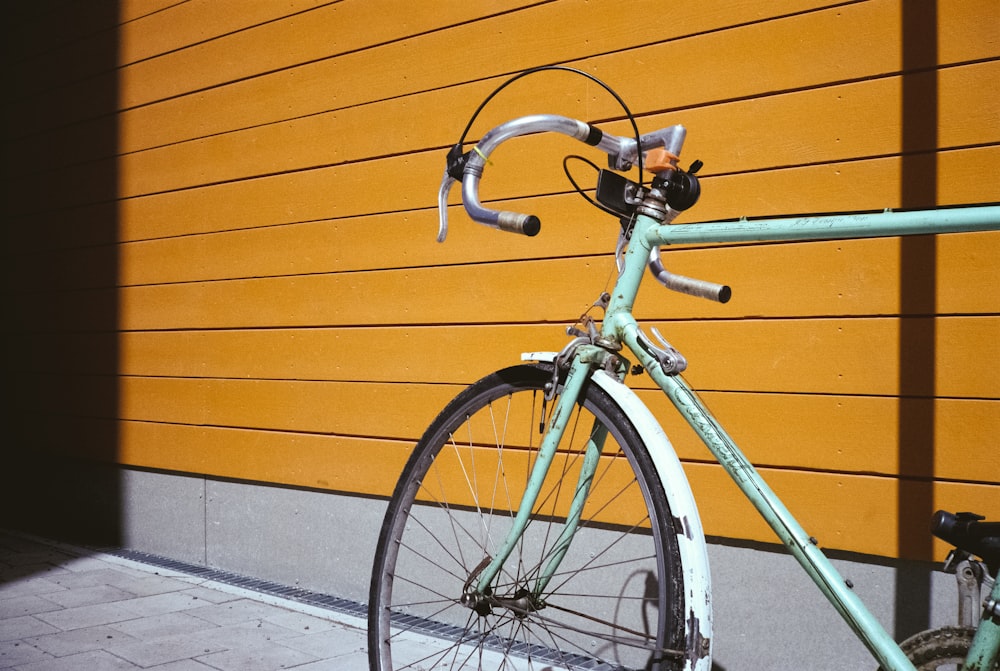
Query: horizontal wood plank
x,y
826,356
856,513
145,29
845,273
332,29
850,278
183,24
817,279
774,430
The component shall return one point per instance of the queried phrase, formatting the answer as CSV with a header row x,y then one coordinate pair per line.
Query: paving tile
x,y
412,646
88,616
245,634
183,665
211,596
163,650
301,622
88,596
79,640
14,628
158,604
97,660
82,579
80,564
235,612
10,573
127,579
15,653
355,661
25,605
27,586
151,585
333,643
167,624
41,558
266,658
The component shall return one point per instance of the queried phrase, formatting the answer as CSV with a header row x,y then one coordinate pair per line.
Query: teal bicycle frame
x,y
620,327
651,229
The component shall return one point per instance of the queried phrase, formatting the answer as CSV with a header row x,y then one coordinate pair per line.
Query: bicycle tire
x,y
617,601
942,649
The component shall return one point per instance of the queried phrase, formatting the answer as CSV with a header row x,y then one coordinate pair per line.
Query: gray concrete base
x,y
315,540
768,615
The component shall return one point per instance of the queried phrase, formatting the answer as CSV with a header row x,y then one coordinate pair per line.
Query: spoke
x,y
633,639
592,566
430,561
441,503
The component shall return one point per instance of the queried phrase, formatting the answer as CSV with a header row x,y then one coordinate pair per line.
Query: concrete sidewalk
x,y
64,608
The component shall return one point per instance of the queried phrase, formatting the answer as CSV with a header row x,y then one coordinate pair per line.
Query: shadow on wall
x,y
919,122
60,354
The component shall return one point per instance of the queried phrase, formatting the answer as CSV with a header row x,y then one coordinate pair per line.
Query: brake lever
x,y
446,183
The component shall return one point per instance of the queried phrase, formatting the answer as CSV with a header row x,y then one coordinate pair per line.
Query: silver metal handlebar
x,y
622,153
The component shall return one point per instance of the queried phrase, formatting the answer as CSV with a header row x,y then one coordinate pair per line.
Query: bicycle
x,y
544,520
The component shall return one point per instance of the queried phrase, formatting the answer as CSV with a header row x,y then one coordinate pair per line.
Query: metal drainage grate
x,y
297,594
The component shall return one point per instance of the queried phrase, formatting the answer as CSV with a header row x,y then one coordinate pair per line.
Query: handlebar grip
x,y
720,293
525,224
512,222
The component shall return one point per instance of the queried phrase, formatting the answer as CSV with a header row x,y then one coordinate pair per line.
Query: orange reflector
x,y
659,160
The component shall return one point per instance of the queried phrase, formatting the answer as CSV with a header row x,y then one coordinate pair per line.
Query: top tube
x,y
831,227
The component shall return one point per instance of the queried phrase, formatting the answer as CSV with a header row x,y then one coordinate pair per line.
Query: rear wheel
x,y
616,601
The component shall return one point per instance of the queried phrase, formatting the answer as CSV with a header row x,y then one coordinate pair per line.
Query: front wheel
x,y
616,600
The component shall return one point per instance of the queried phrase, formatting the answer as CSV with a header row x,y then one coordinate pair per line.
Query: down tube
x,y
791,533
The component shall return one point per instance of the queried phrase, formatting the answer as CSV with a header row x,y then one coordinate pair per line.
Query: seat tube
x,y
578,373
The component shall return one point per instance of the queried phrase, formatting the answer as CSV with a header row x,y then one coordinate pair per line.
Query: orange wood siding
x,y
281,313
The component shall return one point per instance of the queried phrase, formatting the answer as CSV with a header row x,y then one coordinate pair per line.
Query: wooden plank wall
x,y
281,312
